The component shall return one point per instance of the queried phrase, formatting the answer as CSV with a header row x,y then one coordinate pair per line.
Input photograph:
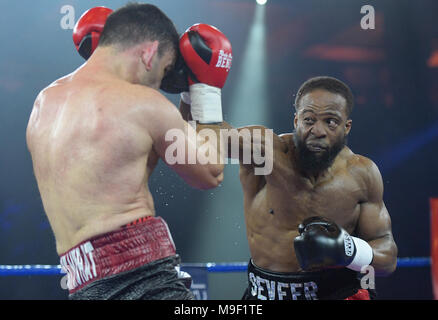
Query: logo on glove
x,y
224,60
348,245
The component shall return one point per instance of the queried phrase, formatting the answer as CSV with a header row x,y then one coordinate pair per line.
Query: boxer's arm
x,y
239,141
173,137
251,142
374,224
239,144
276,158
184,109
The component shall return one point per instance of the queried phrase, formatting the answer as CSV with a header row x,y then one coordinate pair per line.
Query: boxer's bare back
x,y
94,140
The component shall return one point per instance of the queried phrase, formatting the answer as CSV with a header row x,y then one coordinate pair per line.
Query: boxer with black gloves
x,y
324,244
318,218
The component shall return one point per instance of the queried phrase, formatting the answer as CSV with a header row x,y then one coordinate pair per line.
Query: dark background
x,y
392,70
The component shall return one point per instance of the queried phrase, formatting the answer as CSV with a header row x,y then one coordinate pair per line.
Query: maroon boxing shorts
x,y
137,261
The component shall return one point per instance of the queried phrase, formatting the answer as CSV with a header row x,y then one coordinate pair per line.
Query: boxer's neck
x,y
125,65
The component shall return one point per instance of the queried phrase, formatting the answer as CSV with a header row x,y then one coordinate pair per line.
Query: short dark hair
x,y
137,22
326,83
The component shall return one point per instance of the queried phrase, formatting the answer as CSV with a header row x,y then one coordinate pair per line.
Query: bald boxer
x,y
95,136
318,219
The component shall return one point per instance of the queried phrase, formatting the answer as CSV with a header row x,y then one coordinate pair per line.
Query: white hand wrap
x,y
206,104
363,256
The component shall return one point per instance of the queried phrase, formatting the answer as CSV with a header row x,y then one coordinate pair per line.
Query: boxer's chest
x,y
337,198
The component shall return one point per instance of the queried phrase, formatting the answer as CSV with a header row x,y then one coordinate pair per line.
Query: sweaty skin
x,y
95,139
350,192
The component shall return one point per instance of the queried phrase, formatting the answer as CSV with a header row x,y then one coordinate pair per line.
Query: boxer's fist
x,y
88,28
323,244
207,53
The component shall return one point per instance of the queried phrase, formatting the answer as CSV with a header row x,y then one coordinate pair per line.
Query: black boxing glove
x,y
176,80
324,244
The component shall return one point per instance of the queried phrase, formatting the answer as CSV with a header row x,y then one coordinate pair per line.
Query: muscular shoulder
x,y
48,98
53,91
146,98
286,141
147,105
367,173
286,137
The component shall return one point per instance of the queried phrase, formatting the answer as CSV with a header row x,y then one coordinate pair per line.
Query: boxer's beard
x,y
312,162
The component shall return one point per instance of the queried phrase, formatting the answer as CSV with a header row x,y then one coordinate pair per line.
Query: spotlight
x,y
261,2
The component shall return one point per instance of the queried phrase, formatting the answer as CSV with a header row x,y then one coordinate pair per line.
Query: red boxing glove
x,y
207,52
208,55
88,28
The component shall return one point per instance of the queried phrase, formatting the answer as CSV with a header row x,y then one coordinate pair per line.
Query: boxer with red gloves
x,y
95,137
86,34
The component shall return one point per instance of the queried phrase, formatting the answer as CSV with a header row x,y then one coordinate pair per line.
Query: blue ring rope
x,y
39,269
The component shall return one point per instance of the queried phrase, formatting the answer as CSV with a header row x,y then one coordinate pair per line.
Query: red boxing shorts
x,y
362,294
119,251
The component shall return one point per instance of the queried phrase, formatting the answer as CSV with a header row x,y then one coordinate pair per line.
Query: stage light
x,y
397,154
249,100
248,104
261,2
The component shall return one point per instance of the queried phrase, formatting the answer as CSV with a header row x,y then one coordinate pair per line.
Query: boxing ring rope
x,y
42,269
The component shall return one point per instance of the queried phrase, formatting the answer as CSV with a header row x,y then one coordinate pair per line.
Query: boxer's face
x,y
321,126
166,63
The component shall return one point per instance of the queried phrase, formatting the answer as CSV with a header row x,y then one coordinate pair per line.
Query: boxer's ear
x,y
348,126
148,53
295,120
